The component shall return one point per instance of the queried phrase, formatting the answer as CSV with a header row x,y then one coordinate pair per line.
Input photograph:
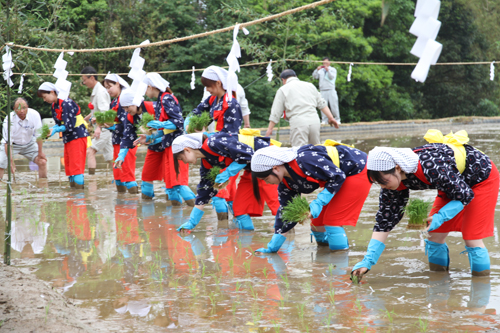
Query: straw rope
x,y
291,60
182,39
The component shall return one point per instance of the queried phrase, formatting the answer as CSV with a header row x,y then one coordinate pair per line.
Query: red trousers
x,y
127,172
476,220
346,205
75,154
245,201
229,191
171,179
153,166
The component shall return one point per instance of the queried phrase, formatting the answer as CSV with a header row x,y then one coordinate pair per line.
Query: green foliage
x,y
417,210
107,117
487,108
213,173
296,210
142,125
44,132
199,122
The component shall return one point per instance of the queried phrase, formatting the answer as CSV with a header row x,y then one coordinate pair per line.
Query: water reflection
x,y
122,255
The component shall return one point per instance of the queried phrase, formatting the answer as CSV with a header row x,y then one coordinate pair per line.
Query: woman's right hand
x,y
140,140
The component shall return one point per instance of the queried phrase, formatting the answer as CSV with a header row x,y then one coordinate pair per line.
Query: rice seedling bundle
x,y
296,210
107,117
142,127
417,211
44,132
198,123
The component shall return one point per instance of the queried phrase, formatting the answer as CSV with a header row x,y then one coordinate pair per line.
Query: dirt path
x,y
30,305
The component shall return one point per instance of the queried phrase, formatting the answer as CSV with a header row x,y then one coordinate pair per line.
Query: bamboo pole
x,y
6,253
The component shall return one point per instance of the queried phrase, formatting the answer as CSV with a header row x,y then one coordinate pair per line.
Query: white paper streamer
x,y
350,72
137,74
63,85
426,27
7,66
232,61
21,84
492,71
269,71
193,78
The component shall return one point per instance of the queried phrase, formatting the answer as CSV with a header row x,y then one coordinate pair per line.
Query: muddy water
x,y
122,256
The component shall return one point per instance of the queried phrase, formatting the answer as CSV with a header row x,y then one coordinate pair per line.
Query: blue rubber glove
x,y
321,200
194,219
57,129
111,128
274,245
375,249
154,136
186,123
122,154
156,124
230,171
446,213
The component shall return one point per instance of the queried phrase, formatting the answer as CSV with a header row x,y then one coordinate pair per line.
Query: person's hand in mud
x,y
359,273
141,140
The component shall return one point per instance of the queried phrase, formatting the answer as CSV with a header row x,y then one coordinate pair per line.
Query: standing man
x,y
327,76
25,123
299,101
100,101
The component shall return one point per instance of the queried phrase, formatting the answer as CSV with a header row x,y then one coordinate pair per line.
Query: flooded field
x,y
122,257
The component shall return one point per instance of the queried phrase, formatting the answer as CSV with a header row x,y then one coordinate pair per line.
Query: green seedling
x,y
285,280
231,264
296,210
238,286
276,326
44,132
301,307
357,304
331,267
390,315
216,279
107,117
47,307
422,324
331,296
213,173
246,264
212,298
417,211
234,307
198,123
257,316
264,271
193,289
253,292
328,319
141,127
355,279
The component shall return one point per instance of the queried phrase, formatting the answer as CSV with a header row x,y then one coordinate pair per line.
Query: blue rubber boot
x,y
337,239
244,222
173,196
479,260
186,194
479,294
78,181
120,186
147,190
274,245
220,206
320,238
71,181
230,206
131,187
439,257
194,219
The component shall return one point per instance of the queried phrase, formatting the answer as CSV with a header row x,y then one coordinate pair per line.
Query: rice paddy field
x,y
122,257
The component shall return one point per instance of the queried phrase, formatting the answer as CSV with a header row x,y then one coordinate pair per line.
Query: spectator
x,y
25,123
298,101
100,101
327,76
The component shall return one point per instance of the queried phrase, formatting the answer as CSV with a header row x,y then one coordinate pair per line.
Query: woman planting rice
x,y
339,169
460,173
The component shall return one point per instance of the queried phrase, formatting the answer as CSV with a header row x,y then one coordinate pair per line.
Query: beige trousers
x,y
303,135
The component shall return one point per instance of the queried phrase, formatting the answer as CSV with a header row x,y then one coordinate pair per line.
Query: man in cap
x,y
25,122
99,102
298,101
327,76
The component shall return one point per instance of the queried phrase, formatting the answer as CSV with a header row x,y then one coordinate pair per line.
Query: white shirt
x,y
24,131
100,98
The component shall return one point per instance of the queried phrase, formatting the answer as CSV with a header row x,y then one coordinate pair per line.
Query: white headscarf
x,y
47,86
386,158
155,80
127,98
266,158
193,141
117,78
216,73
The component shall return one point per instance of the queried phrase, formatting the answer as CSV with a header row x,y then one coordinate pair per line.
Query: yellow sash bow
x,y
332,152
168,131
81,121
248,134
455,141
